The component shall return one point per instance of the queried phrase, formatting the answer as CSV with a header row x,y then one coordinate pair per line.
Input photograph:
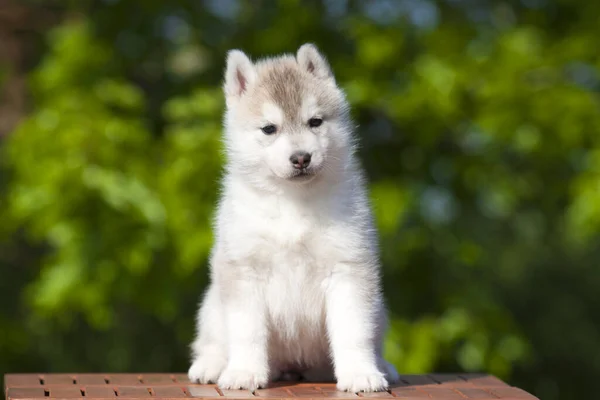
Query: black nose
x,y
300,159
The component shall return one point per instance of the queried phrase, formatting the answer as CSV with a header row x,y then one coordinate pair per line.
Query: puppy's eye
x,y
269,129
315,122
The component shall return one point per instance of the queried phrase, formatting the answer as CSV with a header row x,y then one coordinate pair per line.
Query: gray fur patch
x,y
282,81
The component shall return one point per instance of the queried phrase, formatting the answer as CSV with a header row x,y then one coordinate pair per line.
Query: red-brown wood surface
x,y
177,386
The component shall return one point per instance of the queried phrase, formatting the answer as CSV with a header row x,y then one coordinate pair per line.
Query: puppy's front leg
x,y
247,366
354,307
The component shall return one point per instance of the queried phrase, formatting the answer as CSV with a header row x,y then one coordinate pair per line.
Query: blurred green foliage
x,y
480,130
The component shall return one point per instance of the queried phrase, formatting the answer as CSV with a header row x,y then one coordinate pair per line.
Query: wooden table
x,y
177,386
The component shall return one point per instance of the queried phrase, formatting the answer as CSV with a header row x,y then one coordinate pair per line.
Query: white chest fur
x,y
286,244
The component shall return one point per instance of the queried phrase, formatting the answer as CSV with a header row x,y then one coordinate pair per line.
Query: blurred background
x,y
480,130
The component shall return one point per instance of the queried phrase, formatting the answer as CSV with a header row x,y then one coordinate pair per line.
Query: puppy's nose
x,y
300,159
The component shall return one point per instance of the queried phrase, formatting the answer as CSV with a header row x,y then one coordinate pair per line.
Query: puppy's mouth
x,y
303,175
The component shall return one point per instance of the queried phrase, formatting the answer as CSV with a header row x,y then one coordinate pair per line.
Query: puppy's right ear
x,y
313,61
239,74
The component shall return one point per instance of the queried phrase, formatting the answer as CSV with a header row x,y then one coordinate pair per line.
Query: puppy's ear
x,y
311,60
239,74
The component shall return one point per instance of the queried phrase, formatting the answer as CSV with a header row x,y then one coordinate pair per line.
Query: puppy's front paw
x,y
372,381
242,379
206,369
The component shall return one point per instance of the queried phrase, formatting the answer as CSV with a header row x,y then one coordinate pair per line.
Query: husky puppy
x,y
295,280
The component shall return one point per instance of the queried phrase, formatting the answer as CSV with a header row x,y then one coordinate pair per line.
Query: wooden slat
x,y
443,393
134,392
124,379
237,394
65,392
330,391
57,379
305,392
512,392
29,380
377,395
484,380
274,393
25,393
417,380
409,392
90,379
99,392
156,379
206,391
181,378
475,393
171,392
450,380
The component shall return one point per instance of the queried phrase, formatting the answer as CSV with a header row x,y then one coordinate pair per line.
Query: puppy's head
x,y
286,118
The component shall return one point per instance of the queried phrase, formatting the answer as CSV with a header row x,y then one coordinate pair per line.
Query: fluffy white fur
x,y
295,285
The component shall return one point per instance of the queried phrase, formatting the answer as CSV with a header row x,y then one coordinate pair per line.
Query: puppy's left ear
x,y
311,60
239,74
